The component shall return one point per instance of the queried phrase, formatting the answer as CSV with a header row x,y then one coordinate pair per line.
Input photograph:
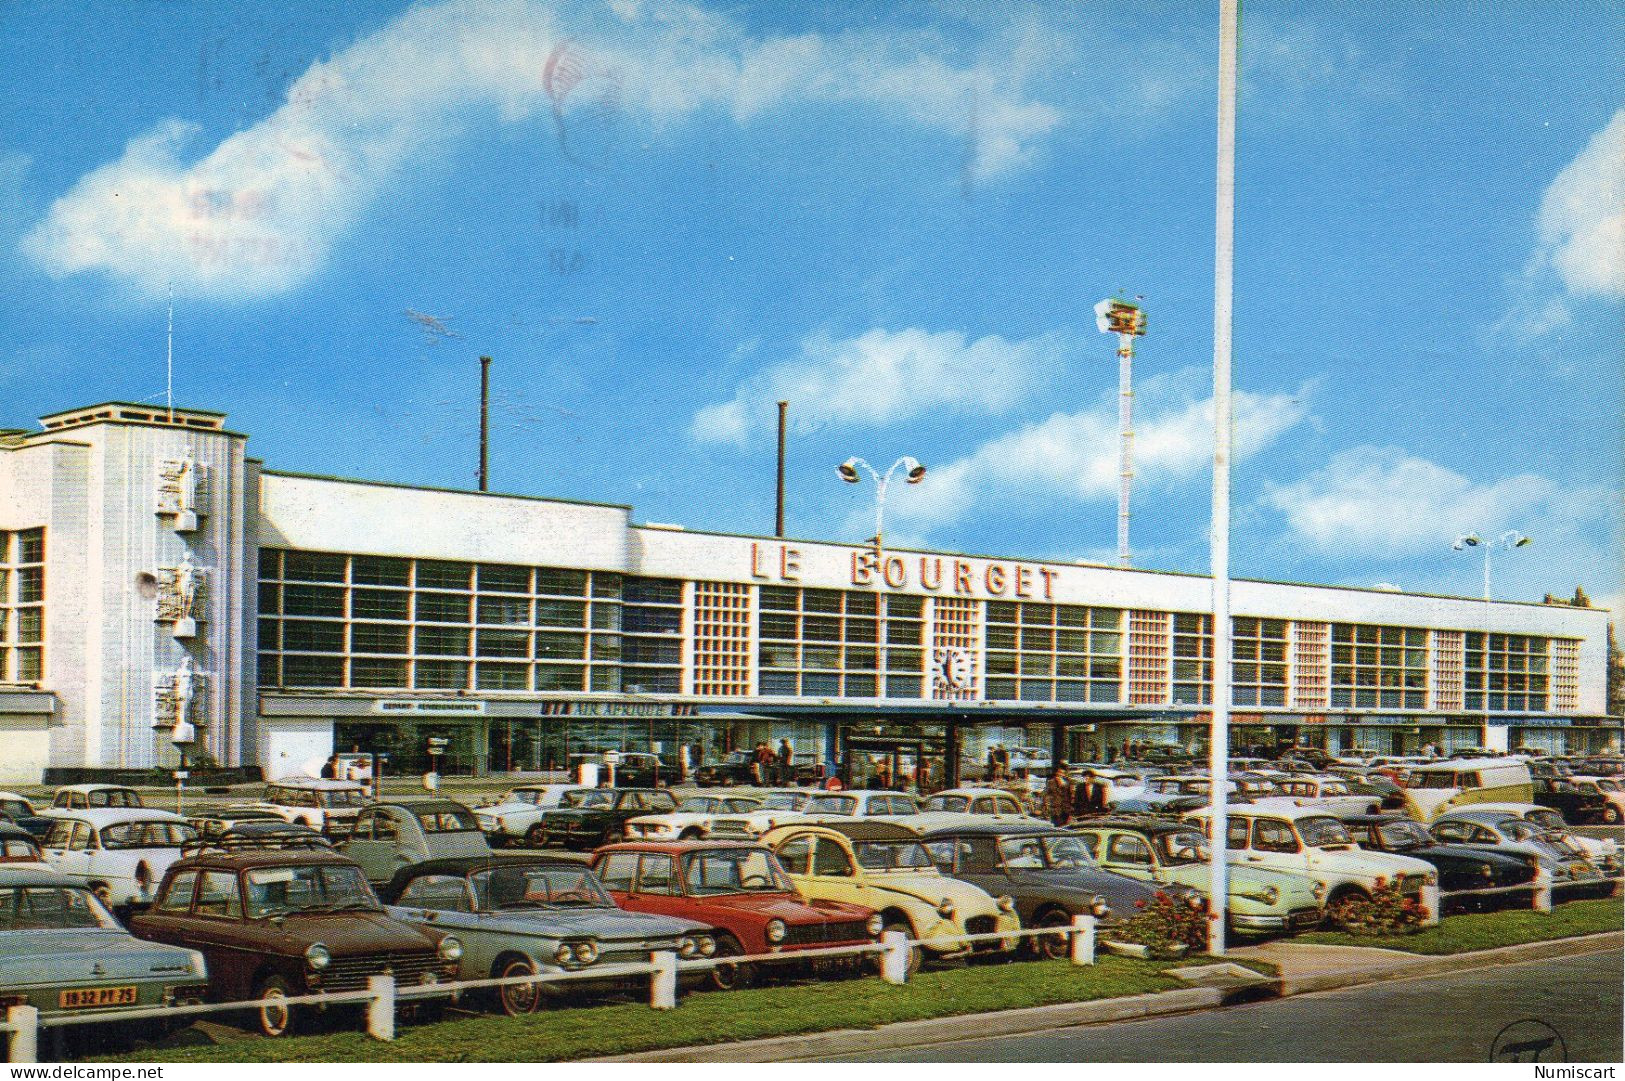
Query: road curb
x,y
1439,964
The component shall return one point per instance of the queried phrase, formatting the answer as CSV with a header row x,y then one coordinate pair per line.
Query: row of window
x,y
22,605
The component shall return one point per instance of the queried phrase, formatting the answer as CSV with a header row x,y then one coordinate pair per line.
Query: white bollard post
x,y
1430,903
1083,939
381,1007
25,1037
1542,901
894,962
663,981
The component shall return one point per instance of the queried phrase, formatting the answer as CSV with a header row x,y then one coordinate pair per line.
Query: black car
x,y
1460,867
734,769
18,812
1569,800
596,816
633,769
1047,871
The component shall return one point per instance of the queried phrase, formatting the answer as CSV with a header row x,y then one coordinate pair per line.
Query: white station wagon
x,y
121,853
329,807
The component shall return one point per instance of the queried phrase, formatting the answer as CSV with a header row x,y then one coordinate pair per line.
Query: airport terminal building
x,y
161,590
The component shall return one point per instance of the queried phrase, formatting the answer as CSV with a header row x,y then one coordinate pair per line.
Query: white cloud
x,y
259,213
1075,455
1582,216
883,376
1383,503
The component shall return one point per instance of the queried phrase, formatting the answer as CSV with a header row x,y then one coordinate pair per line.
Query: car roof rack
x,y
258,843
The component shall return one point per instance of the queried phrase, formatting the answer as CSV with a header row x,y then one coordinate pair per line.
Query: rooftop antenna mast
x,y
169,359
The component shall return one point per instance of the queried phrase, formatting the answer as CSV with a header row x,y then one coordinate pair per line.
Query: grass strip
x,y
1487,930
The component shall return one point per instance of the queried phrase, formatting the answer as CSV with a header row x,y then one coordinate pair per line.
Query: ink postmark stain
x,y
1529,1041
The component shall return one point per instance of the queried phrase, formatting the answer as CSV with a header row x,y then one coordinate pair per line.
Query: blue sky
x,y
660,218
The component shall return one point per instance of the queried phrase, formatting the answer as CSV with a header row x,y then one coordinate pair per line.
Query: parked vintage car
x,y
395,834
1045,870
1331,794
328,807
1501,831
993,802
1259,900
734,768
61,951
1308,841
119,852
212,822
778,807
85,797
739,889
19,811
1460,867
1607,791
1439,788
517,813
525,913
18,846
287,921
633,769
691,818
597,816
883,866
1606,852
860,803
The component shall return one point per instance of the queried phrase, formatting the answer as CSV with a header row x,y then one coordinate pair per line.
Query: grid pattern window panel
x,y
22,606
1565,675
1505,673
651,642
1054,652
831,643
1193,659
1149,659
333,621
1258,663
1447,671
722,620
1375,667
1311,665
954,626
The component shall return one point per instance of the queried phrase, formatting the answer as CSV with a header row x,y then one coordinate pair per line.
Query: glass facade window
x,y
1258,663
1379,667
1192,643
832,643
22,606
1053,652
1506,673
650,645
334,621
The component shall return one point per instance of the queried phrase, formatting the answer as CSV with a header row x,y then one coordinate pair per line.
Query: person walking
x,y
1058,795
786,762
1089,796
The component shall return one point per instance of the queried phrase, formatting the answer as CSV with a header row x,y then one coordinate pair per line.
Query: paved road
x,y
1445,1019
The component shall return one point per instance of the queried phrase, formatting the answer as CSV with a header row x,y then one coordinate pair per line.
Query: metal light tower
x,y
1509,540
913,473
1126,320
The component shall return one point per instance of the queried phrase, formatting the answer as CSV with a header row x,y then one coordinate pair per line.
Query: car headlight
x,y
706,945
775,930
1487,871
586,953
564,954
874,925
946,909
1006,903
1318,889
686,946
1271,895
1099,907
450,949
317,956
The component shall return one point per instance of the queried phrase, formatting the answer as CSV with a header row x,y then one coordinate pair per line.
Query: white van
x,y
1438,787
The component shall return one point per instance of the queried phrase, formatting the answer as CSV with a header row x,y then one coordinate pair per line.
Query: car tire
x,y
731,977
1346,893
516,999
1053,947
275,1021
536,836
916,955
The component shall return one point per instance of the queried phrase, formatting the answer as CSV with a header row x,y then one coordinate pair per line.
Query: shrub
x,y
1168,926
1386,912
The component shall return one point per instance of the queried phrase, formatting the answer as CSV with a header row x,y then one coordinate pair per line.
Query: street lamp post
x,y
913,473
1509,540
1127,321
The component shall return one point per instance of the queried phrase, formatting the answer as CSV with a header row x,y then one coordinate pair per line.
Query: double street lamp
x,y
1509,540
913,473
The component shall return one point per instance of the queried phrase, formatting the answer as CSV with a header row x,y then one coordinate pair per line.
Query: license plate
x,y
79,998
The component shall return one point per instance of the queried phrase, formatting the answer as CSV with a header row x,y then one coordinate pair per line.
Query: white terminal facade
x,y
157,585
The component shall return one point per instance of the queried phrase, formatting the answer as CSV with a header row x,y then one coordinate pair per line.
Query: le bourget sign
x,y
932,573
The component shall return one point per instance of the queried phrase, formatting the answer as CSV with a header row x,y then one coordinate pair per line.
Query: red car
x,y
738,888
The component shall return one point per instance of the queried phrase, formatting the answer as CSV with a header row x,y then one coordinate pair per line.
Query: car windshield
x,y
115,797
786,801
1037,852
735,870
832,805
327,887
552,886
447,820
1323,830
1518,830
523,795
596,797
1180,848
52,908
947,803
1401,835
1550,820
343,797
893,856
697,805
15,809
148,835
1609,786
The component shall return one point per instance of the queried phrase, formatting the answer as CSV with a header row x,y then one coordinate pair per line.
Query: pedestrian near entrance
x,y
330,768
1089,796
786,757
1058,795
